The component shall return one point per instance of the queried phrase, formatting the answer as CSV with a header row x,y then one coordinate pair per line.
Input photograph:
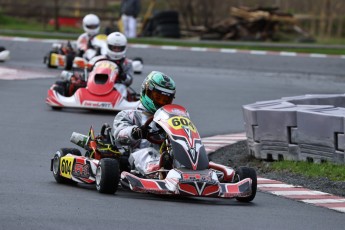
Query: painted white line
x,y
292,54
289,193
318,55
277,186
258,52
198,49
324,201
339,209
169,47
224,138
342,56
218,141
139,46
228,50
18,39
263,179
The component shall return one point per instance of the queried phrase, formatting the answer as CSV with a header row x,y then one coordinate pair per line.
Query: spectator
x,y
130,10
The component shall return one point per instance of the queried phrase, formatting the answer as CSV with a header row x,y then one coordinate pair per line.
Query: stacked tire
x,y
163,24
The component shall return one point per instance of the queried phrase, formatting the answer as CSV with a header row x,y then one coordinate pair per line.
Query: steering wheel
x,y
151,134
106,132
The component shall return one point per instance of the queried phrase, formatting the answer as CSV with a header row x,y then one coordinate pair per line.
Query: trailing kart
x,y
183,168
64,54
100,166
67,56
94,90
4,54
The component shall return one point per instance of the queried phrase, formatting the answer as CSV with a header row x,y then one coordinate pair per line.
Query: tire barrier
x,y
163,24
301,128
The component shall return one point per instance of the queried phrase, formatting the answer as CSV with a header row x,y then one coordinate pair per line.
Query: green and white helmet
x,y
157,90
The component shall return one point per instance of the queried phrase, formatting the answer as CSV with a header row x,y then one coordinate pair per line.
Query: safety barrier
x,y
301,128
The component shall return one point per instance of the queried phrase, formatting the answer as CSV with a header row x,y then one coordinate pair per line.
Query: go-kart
x,y
4,54
183,169
67,56
93,90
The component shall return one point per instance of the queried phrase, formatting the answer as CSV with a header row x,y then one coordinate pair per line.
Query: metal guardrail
x,y
301,128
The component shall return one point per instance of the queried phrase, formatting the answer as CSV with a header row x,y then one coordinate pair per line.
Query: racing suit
x,y
84,43
144,155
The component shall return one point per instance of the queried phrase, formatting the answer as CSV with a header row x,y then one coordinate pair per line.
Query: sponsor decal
x,y
195,177
178,112
181,123
66,166
81,170
94,104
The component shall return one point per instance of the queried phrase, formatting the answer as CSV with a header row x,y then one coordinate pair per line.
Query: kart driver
x,y
116,52
91,26
157,90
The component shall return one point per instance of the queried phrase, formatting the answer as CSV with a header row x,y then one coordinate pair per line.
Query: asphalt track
x,y
212,86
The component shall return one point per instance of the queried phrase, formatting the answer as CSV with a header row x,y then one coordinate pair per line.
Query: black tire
x,y
48,57
69,61
168,31
56,164
107,176
245,172
164,17
138,59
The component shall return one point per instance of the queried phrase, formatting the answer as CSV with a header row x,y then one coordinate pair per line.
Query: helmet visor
x,y
115,48
160,98
92,27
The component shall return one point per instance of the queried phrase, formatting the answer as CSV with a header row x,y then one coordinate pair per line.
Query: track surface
x,y
213,87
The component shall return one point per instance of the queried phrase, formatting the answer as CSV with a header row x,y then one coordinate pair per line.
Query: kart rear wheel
x,y
56,164
107,176
243,173
69,61
47,60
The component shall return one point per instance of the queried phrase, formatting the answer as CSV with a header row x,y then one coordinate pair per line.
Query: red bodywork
x,y
99,92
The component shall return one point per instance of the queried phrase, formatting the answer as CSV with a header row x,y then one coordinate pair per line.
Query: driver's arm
x,y
124,122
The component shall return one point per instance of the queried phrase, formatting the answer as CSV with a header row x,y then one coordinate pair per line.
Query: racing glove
x,y
123,76
139,133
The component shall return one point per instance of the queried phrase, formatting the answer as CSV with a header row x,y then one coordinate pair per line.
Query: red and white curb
x,y
216,142
301,194
196,49
21,74
279,188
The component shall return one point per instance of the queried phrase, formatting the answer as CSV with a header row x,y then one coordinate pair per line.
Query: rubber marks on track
x,y
21,74
279,188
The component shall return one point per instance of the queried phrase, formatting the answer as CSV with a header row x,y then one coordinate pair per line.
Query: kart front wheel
x,y
243,173
56,164
107,176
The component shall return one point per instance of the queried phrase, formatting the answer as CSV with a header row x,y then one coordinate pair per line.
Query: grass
x,y
331,171
20,27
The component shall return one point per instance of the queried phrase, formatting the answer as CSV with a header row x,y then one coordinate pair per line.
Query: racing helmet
x,y
116,46
157,90
91,24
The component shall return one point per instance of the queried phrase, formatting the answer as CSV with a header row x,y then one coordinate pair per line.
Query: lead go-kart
x,y
67,56
182,170
93,90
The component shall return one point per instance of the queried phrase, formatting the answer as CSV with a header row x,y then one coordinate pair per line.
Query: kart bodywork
x,y
99,93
